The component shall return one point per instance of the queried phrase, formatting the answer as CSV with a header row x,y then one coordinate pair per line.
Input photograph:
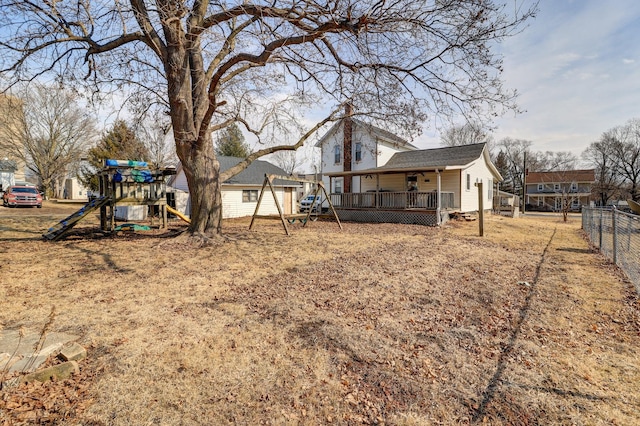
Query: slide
x,y
61,228
177,213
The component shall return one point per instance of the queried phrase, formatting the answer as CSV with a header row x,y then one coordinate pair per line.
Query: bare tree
x,y
513,154
46,129
550,161
288,161
154,132
626,152
253,62
600,155
466,134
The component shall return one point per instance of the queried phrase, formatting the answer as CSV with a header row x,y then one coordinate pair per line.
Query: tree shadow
x,y
489,393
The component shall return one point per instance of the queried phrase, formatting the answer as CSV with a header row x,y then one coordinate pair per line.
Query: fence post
x,y
614,212
600,236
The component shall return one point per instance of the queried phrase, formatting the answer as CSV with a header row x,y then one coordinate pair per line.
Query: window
x,y
540,187
540,202
337,154
556,187
337,186
574,186
490,189
358,152
468,182
249,195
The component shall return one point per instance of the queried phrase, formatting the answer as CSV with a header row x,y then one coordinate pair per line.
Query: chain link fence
x,y
617,235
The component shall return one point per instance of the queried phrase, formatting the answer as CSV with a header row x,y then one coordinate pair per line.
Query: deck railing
x,y
393,200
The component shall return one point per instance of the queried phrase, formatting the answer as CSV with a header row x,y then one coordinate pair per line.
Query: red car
x,y
16,196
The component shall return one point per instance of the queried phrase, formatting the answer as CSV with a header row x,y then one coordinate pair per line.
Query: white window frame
x,y
337,186
249,195
358,152
540,187
574,186
556,187
337,154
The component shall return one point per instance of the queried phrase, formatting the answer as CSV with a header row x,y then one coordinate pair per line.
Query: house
x,y
7,174
74,190
382,178
11,126
546,191
352,145
240,193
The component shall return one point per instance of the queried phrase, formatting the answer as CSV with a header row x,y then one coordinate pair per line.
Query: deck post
x,y
439,201
377,191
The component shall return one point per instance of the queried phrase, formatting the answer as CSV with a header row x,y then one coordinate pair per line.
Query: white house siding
x,y
385,152
6,180
395,183
449,182
74,189
232,204
478,171
180,182
368,160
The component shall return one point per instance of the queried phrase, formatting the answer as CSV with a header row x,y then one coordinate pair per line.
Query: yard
x,y
375,324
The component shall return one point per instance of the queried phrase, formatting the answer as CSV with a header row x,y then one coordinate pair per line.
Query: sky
x,y
577,70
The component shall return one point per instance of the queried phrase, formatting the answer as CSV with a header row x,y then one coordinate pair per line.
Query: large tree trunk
x,y
202,170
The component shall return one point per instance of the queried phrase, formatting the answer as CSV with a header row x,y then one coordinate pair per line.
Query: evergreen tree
x,y
119,143
231,142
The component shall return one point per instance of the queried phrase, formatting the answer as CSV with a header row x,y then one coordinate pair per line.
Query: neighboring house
x,y
547,191
385,179
7,174
10,129
74,190
240,193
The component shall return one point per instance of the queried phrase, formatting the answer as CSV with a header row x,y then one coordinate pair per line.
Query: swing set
x,y
304,218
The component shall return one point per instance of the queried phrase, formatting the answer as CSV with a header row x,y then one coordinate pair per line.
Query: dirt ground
x,y
372,324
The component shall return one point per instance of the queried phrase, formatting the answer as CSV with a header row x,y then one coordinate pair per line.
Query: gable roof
x,y
8,166
381,133
252,175
588,175
448,158
454,156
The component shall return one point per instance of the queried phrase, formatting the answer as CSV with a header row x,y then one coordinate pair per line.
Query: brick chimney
x,y
347,145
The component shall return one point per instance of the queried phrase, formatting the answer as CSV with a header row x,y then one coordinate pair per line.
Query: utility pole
x,y
524,182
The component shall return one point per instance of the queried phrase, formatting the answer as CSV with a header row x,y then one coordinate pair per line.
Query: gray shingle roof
x,y
436,158
254,174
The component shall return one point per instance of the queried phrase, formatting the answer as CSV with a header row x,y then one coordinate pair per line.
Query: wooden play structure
x,y
304,218
121,183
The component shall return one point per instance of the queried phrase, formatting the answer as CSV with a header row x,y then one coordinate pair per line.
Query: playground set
x,y
121,183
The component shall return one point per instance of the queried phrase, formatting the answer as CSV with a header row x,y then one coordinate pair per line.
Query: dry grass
x,y
375,324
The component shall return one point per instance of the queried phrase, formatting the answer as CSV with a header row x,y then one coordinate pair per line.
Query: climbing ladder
x,y
60,229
